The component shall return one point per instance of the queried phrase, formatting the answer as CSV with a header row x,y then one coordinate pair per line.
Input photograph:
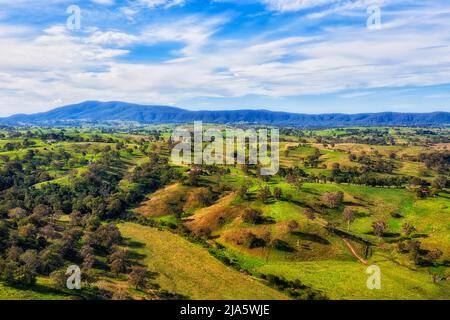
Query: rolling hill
x,y
98,112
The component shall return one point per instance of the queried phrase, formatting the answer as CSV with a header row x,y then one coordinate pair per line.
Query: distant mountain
x,y
101,112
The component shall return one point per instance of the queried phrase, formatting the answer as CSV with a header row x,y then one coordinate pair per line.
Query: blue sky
x,y
305,56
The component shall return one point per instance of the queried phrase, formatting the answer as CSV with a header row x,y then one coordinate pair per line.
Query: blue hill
x,y
99,112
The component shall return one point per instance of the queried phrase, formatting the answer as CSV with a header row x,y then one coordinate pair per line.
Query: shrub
x,y
252,216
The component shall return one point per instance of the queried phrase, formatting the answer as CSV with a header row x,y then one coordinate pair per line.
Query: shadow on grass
x,y
86,293
311,191
386,234
41,289
360,214
311,237
135,244
133,255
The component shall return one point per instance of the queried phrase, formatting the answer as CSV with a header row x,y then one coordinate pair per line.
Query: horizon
x,y
307,57
215,110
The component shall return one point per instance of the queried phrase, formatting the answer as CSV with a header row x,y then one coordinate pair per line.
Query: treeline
x,y
33,239
372,136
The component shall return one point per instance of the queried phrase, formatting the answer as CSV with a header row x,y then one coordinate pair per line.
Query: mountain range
x,y
101,112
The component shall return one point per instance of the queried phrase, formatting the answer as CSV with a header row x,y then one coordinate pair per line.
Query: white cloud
x,y
104,2
35,71
162,3
295,5
112,37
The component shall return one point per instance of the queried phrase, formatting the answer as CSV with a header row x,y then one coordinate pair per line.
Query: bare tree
x,y
408,229
379,227
138,277
333,199
349,215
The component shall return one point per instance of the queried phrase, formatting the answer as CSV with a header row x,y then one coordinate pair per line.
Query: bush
x,y
333,199
253,216
295,288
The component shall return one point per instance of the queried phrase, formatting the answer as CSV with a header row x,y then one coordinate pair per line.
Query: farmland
x,y
112,202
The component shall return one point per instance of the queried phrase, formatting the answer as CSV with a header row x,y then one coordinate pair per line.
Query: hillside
x,y
142,227
98,112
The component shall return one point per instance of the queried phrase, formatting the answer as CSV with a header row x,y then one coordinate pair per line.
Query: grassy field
x,y
189,270
321,260
347,279
310,251
40,291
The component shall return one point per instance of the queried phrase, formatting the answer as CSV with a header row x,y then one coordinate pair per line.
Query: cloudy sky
x,y
306,56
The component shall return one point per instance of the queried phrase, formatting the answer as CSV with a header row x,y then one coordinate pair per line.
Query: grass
x,y
320,260
347,280
213,217
187,269
167,201
40,291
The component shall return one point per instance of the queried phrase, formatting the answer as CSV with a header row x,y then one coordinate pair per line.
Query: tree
x,y
138,277
242,191
118,266
291,225
107,235
408,229
251,215
291,179
86,250
114,207
13,273
193,177
264,193
14,253
438,184
198,198
51,259
4,232
42,210
277,193
349,215
27,232
379,227
118,260
17,213
309,214
68,242
336,169
88,262
333,199
434,255
76,218
31,260
59,279
7,269
25,275
92,222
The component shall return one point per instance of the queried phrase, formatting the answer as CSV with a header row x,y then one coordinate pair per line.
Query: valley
x,y
111,201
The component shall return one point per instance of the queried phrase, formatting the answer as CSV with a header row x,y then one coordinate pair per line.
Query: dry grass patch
x,y
167,201
207,220
188,269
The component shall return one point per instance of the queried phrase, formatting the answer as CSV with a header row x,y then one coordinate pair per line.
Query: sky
x,y
303,56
